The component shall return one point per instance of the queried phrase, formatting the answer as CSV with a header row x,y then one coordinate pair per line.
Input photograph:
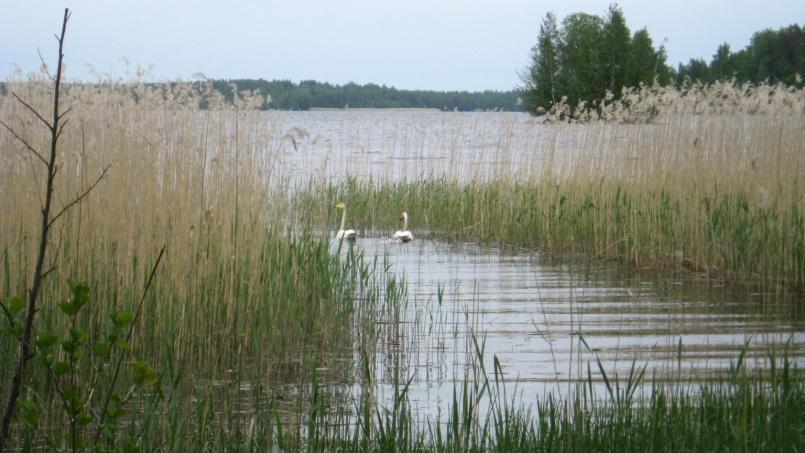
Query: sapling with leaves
x,y
23,327
90,408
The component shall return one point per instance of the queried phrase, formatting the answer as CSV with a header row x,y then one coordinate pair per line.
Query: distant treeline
x,y
777,56
308,94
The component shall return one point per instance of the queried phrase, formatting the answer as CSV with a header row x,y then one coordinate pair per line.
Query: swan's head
x,y
340,206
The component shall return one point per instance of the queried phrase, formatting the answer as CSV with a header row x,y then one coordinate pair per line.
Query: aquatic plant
x,y
251,292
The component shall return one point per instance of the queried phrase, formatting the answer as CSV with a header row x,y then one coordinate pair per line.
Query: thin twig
x,y
44,65
80,197
8,314
136,316
64,113
49,270
36,283
22,140
33,110
61,128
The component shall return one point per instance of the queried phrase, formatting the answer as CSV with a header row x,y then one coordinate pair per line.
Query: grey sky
x,y
411,44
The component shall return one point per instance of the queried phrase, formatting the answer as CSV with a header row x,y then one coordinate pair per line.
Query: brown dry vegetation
x,y
714,182
196,181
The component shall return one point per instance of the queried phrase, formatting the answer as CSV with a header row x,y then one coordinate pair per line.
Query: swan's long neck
x,y
405,221
343,219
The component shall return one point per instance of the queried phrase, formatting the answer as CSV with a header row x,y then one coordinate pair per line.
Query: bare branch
x,y
137,311
8,314
30,148
65,112
31,164
53,266
80,197
33,110
49,270
13,393
44,65
61,128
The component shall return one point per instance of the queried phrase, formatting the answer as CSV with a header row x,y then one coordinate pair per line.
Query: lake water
x,y
397,145
531,313
528,311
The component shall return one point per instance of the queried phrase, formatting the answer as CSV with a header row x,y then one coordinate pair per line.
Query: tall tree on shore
x,y
586,57
543,73
616,47
642,59
722,65
581,76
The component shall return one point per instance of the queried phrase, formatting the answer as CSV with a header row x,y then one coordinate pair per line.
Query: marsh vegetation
x,y
264,331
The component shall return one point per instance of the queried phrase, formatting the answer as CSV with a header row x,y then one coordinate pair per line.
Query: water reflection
x,y
521,307
531,314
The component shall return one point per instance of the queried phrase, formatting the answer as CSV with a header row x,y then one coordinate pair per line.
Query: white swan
x,y
349,235
404,235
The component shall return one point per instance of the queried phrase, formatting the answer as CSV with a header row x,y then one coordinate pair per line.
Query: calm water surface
x,y
528,311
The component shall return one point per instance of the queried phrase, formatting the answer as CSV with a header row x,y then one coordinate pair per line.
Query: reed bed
x,y
739,410
717,192
251,291
237,294
721,234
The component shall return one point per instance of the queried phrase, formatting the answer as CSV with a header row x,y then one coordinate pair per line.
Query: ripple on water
x,y
531,314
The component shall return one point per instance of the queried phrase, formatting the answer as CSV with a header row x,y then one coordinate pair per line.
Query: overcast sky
x,y
410,44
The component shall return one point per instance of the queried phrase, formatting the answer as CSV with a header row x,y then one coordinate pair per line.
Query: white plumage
x,y
349,235
404,235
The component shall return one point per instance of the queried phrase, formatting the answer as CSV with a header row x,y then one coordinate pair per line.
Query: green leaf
x,y
31,417
144,374
78,335
122,344
29,409
116,413
101,349
131,446
45,340
69,346
121,319
46,358
68,308
73,395
16,305
16,331
84,419
77,443
60,368
80,294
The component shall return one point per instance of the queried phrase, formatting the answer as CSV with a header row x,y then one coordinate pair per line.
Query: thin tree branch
x,y
61,128
120,356
44,65
22,140
8,314
33,110
49,270
36,283
80,197
64,113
